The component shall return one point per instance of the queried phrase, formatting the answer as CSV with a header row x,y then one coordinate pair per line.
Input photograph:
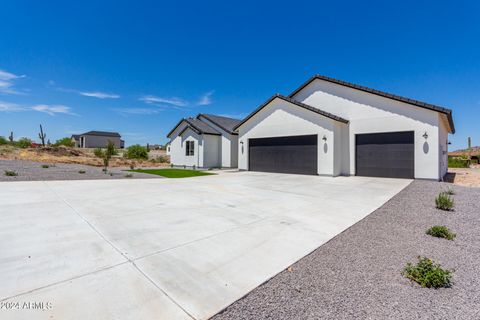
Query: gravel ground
x,y
33,171
357,275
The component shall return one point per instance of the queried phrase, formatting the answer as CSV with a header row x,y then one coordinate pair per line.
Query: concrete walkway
x,y
166,248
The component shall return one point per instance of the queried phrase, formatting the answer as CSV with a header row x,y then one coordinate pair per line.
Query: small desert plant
x,y
106,154
162,159
11,173
132,166
428,274
45,166
136,152
444,202
67,142
81,171
3,140
98,152
128,175
23,143
441,232
450,191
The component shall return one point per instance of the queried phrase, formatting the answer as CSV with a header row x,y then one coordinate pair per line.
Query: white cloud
x,y
138,111
10,107
173,101
100,95
7,80
52,109
205,99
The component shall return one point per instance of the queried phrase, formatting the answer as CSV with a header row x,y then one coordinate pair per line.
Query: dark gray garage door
x,y
385,155
295,154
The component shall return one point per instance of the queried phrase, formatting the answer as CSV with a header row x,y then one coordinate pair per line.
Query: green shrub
x,y
81,171
162,159
428,274
444,201
441,232
45,166
3,140
98,152
67,142
457,162
136,152
23,143
10,173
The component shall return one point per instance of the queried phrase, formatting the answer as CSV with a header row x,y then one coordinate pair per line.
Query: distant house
x,y
205,141
97,139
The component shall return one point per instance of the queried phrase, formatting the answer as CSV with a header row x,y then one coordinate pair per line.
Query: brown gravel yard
x,y
357,275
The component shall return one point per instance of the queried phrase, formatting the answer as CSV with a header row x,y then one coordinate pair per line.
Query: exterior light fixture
x,y
425,135
324,138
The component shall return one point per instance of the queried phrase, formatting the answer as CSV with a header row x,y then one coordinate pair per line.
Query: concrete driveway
x,y
166,248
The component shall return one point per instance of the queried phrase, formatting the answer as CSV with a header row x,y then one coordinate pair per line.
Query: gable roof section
x,y
295,102
413,102
100,133
227,124
196,125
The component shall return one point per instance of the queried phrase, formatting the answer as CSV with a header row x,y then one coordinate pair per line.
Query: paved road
x,y
166,249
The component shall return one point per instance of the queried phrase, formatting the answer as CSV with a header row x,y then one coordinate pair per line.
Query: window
x,y
189,148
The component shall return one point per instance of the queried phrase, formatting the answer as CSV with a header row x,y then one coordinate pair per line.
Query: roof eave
x,y
297,103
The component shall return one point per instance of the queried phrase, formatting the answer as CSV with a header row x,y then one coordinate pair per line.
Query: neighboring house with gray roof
x,y
206,141
97,139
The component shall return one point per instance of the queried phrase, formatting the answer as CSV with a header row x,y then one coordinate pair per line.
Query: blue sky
x,y
138,67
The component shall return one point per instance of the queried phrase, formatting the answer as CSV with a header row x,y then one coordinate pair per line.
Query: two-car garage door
x,y
293,154
376,154
389,155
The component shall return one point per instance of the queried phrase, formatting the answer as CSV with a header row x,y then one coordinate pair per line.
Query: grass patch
x,y
174,173
441,232
81,171
428,274
10,173
45,166
444,202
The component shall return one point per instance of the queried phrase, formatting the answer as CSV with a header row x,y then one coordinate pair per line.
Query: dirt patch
x,y
468,177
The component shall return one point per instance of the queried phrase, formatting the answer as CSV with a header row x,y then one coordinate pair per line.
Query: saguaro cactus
x,y
10,137
42,136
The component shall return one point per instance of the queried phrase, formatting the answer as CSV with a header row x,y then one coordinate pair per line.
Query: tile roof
x,y
227,124
297,103
100,133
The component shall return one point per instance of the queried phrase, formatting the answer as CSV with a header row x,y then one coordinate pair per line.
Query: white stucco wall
x,y
228,146
281,118
177,148
211,151
369,113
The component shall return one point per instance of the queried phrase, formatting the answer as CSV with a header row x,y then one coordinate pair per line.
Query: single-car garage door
x,y
385,154
294,154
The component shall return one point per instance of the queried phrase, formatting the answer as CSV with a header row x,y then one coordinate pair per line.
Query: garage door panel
x,y
296,154
385,155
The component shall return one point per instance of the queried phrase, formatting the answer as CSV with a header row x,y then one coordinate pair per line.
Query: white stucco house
x,y
206,141
332,127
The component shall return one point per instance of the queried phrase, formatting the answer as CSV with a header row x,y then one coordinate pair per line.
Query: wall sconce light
x,y
425,135
241,143
324,138
449,142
